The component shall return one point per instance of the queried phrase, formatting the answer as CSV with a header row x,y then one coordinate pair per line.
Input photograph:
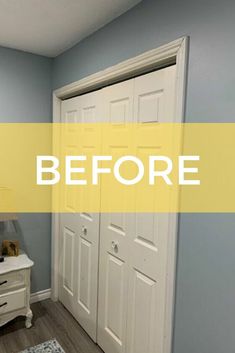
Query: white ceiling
x,y
49,27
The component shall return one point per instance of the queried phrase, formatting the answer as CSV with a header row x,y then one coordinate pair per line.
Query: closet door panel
x,y
88,223
69,224
85,226
154,99
133,249
117,103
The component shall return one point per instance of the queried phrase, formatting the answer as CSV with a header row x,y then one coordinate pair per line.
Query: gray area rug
x,y
51,346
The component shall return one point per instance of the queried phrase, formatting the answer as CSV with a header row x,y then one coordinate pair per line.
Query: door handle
x,y
4,282
84,230
115,245
4,304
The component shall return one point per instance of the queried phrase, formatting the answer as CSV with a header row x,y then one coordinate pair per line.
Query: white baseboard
x,y
40,296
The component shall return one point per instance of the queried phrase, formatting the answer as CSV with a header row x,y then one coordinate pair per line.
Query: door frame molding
x,y
175,52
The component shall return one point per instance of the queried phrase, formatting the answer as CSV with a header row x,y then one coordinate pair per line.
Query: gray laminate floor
x,y
51,320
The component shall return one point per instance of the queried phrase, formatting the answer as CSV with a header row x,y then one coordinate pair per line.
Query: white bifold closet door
x,y
79,233
133,247
130,250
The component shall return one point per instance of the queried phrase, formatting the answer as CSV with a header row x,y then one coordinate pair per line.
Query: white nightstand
x,y
15,289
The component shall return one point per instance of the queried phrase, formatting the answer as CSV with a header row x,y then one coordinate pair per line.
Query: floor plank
x,y
51,320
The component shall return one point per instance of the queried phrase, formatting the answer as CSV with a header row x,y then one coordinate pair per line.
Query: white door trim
x,y
173,52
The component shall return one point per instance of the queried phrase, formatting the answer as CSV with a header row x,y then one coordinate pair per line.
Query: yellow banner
x,y
117,167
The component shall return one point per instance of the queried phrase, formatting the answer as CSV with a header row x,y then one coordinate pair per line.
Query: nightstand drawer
x,y
12,281
12,301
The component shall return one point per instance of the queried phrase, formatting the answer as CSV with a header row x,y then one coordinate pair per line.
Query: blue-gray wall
x,y
205,304
25,96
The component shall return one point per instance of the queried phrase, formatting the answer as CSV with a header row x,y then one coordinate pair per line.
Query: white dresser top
x,y
14,263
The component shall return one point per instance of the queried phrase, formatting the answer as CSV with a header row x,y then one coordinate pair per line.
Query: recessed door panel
x,y
119,110
68,261
117,101
84,274
146,225
150,106
143,314
114,293
68,264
